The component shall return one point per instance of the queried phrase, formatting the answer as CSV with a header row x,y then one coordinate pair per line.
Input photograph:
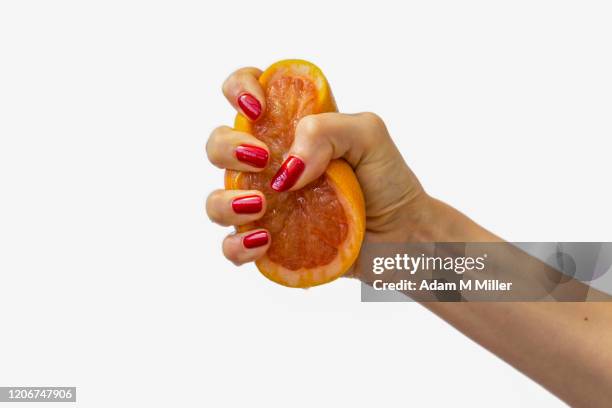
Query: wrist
x,y
428,219
420,220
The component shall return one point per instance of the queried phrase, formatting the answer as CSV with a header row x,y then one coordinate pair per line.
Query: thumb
x,y
323,137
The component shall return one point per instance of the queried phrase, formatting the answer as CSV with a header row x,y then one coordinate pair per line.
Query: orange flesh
x,y
308,225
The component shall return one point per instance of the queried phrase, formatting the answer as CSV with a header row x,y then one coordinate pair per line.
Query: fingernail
x,y
249,105
253,155
256,239
288,174
247,205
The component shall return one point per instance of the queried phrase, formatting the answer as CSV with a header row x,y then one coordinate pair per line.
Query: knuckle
x,y
309,128
246,74
239,80
235,84
373,120
230,84
376,129
214,206
241,76
214,156
226,86
213,150
230,252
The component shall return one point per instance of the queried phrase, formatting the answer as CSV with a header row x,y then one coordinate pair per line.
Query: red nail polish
x,y
288,174
249,105
247,205
253,155
256,239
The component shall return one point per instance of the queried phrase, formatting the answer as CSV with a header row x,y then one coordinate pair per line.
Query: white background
x,y
112,279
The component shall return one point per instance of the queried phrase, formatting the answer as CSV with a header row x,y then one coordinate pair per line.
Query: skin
x,y
566,347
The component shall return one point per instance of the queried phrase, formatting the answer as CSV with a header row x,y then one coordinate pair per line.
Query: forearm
x,y
566,347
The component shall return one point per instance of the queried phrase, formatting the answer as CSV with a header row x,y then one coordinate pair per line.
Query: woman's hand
x,y
394,197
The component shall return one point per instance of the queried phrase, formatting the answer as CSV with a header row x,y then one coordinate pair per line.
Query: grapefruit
x,y
317,231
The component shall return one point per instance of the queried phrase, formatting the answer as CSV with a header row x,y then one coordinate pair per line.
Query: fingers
x,y
235,207
229,149
239,207
323,137
247,246
245,93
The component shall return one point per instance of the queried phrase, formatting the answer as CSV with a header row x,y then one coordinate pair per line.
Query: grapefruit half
x,y
317,231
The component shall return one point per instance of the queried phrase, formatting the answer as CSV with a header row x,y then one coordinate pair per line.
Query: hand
x,y
393,195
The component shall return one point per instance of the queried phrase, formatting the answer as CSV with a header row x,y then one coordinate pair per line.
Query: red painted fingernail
x,y
256,239
249,105
247,205
253,155
288,174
